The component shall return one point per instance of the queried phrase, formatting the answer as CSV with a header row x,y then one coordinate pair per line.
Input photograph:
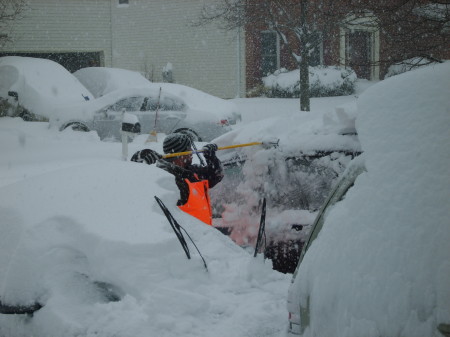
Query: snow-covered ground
x,y
73,213
75,216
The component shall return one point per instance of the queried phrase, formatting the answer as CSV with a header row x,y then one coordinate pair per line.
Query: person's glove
x,y
148,156
209,150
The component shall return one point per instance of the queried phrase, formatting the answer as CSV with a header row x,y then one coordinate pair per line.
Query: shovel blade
x,y
152,137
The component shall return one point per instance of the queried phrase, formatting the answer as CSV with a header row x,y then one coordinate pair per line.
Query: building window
x,y
270,52
360,45
123,4
316,54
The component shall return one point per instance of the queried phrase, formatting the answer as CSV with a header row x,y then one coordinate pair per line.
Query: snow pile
x,y
381,264
83,236
324,81
407,65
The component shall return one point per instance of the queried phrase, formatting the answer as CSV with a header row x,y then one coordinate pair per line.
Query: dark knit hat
x,y
176,142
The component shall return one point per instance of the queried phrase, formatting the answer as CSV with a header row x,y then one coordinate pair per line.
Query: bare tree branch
x,y
407,28
10,11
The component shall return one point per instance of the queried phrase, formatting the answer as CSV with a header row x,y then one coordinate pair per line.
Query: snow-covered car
x,y
32,88
294,177
347,180
103,80
160,107
157,111
376,260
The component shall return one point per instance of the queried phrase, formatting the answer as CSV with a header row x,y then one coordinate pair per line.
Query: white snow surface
x,y
72,212
381,264
103,80
41,84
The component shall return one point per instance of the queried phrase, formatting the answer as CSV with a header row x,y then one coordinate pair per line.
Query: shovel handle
x,y
177,154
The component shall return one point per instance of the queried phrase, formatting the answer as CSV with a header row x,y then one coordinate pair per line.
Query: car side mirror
x,y
13,94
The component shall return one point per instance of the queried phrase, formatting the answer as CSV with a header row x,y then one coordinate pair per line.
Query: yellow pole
x,y
177,154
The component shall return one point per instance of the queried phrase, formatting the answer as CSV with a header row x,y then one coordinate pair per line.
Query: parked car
x,y
31,88
160,107
376,259
294,177
155,110
102,80
337,194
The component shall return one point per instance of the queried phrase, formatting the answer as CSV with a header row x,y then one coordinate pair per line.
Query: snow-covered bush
x,y
407,65
324,81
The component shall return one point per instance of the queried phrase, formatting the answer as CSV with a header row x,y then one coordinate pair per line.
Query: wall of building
x,y
144,35
147,35
64,26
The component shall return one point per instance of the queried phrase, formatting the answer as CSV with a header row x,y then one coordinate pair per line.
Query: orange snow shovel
x,y
265,144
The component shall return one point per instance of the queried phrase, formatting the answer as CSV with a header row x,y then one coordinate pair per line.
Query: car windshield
x,y
296,182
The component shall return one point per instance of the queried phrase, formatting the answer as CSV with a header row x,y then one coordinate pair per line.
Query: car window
x,y
166,104
128,104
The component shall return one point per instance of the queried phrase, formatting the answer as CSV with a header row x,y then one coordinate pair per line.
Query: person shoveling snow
x,y
193,180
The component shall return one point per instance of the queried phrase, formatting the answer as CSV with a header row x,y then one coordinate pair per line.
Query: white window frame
x,y
366,23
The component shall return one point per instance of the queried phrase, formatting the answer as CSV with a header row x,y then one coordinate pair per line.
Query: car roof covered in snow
x,y
40,84
103,80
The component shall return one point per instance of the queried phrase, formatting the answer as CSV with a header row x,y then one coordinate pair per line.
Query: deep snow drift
x,y
381,264
74,215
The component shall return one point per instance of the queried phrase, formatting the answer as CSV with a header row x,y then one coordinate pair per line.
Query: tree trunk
x,y
304,60
304,84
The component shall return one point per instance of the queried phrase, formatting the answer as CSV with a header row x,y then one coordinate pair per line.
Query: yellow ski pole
x,y
170,155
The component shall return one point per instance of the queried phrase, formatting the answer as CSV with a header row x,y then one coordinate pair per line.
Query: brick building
x,y
369,41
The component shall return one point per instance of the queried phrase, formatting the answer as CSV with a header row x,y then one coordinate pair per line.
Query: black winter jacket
x,y
213,172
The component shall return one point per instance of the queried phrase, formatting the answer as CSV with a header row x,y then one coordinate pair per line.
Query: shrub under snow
x,y
323,80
